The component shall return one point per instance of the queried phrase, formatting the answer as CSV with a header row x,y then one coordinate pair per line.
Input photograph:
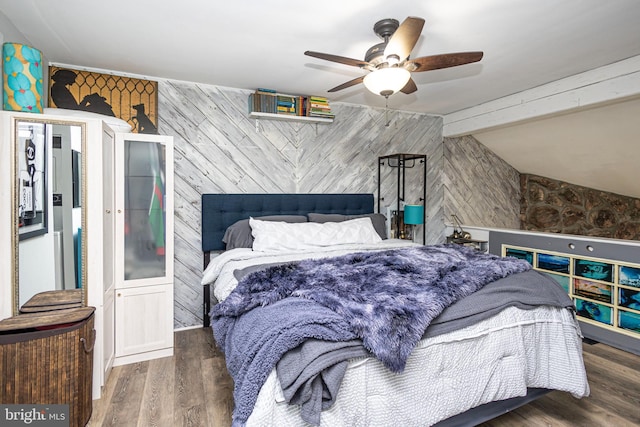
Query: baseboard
x,y
141,357
187,328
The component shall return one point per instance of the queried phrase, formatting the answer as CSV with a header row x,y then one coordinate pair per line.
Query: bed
x,y
465,369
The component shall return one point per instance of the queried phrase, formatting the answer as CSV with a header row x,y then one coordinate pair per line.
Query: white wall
x,y
37,273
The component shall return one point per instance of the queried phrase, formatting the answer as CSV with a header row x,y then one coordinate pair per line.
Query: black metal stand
x,y
402,162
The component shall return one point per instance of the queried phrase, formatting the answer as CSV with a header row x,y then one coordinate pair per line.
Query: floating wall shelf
x,y
286,117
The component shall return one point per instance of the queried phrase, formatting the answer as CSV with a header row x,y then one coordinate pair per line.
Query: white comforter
x,y
445,375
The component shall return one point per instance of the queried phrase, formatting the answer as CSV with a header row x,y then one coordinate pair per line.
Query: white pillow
x,y
271,236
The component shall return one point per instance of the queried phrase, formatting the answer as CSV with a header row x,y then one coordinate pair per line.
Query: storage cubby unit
x,y
605,292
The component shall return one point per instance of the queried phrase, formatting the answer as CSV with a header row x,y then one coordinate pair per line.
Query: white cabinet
x,y
107,288
143,247
142,313
126,198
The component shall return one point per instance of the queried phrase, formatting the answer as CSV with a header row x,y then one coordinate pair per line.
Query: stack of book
x,y
272,102
318,106
263,101
287,104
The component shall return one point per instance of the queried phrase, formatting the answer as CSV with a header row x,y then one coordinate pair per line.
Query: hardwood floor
x,y
192,388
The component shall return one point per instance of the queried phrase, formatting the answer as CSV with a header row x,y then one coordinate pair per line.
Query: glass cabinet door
x,y
144,194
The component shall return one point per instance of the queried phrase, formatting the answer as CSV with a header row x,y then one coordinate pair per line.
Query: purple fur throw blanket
x,y
386,298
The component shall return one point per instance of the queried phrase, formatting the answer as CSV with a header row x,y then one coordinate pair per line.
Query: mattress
x,y
495,359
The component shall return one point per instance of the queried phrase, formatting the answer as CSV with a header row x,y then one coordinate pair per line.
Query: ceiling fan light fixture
x,y
393,60
386,81
388,62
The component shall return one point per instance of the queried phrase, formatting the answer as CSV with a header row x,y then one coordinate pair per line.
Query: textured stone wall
x,y
556,206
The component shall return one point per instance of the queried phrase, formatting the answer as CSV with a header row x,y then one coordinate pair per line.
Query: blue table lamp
x,y
413,215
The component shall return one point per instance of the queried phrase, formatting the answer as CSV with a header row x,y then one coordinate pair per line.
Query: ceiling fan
x,y
389,63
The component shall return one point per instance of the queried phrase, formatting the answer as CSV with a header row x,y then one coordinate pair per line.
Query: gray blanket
x,y
255,341
388,298
385,298
310,375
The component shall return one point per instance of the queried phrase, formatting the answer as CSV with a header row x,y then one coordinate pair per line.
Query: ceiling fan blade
x,y
339,59
410,87
404,38
347,84
446,60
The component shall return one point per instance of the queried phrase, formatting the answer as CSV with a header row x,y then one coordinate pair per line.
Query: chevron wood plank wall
x,y
479,187
218,149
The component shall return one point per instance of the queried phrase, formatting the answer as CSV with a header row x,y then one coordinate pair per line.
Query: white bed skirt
x,y
445,375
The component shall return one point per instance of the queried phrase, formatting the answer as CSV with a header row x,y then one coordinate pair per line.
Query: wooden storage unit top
x,y
53,300
44,319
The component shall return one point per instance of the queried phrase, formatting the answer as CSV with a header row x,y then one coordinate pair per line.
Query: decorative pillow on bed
x,y
377,219
238,235
279,236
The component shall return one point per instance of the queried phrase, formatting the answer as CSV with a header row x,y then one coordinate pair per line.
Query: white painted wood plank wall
x,y
479,187
218,149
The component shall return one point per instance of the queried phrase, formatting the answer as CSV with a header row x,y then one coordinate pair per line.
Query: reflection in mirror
x,y
32,180
49,181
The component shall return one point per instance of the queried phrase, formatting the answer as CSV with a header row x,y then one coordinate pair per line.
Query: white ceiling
x,y
259,43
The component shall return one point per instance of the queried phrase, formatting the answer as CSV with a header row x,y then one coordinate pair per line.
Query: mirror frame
x,y
15,238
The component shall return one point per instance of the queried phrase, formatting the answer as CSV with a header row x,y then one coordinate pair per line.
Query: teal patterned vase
x,y
22,78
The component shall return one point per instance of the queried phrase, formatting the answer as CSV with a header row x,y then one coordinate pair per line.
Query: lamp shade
x,y
22,78
413,214
386,81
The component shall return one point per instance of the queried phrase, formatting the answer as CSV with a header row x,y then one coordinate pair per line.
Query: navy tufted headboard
x,y
219,211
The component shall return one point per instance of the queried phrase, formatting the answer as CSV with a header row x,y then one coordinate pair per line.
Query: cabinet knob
x,y
108,210
119,211
119,294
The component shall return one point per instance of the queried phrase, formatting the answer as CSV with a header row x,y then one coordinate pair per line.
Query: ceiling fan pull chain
x,y
386,111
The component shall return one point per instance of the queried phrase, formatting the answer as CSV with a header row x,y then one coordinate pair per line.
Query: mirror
x,y
48,218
